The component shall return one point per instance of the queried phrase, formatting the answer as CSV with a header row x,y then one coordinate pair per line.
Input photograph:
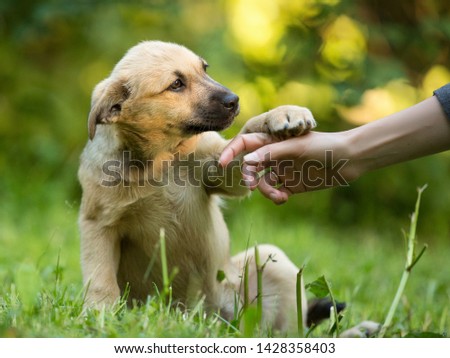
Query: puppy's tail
x,y
319,309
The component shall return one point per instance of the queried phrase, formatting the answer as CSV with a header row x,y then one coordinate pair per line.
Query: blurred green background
x,y
349,62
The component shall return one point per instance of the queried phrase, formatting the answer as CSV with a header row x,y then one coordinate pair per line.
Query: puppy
x,y
151,163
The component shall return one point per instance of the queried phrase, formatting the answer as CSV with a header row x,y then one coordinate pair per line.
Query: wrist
x,y
354,148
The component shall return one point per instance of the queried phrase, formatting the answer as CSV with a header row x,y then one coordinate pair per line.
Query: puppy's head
x,y
158,94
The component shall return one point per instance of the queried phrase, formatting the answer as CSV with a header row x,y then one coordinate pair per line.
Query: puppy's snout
x,y
230,101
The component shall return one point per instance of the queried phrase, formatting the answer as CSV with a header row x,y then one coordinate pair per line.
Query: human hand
x,y
320,160
296,165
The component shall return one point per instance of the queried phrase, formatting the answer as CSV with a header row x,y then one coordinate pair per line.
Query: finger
x,y
268,154
277,195
243,143
280,196
272,179
250,176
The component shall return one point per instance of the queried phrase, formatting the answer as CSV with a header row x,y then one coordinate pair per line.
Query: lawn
x,y
41,294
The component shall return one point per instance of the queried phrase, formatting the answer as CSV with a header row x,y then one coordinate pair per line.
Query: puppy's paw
x,y
363,330
282,122
289,121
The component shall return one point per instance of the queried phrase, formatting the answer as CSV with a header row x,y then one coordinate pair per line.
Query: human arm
x,y
417,131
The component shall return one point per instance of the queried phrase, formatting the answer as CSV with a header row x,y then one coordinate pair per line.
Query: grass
x,y
41,293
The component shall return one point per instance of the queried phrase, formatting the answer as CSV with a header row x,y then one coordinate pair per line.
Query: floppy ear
x,y
107,100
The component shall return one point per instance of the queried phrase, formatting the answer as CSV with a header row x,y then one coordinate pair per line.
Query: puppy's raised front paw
x,y
282,122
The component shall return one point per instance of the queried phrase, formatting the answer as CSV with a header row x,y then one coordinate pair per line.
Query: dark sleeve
x,y
443,96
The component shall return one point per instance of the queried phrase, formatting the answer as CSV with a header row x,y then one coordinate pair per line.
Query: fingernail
x,y
276,199
273,197
251,157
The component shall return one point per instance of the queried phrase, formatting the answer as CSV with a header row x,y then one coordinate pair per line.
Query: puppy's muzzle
x,y
225,103
231,102
214,113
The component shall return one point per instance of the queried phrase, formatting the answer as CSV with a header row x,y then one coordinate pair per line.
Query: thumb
x,y
264,156
256,157
243,143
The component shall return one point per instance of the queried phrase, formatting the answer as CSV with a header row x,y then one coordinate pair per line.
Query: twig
x,y
410,263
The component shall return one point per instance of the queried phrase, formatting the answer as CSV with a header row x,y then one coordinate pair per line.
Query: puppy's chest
x,y
183,213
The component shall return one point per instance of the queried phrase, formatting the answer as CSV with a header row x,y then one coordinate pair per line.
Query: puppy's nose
x,y
230,101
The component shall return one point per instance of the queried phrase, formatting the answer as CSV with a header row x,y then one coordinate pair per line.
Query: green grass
x,y
41,291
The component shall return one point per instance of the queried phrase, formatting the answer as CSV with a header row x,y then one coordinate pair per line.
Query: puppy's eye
x,y
177,85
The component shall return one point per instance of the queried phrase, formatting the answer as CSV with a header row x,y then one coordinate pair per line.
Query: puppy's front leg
x,y
215,178
100,255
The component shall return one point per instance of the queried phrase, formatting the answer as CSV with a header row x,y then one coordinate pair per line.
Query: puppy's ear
x,y
107,100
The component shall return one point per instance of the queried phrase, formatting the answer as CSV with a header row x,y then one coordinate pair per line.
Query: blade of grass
x,y
259,284
335,311
246,287
299,297
243,285
57,273
165,274
410,262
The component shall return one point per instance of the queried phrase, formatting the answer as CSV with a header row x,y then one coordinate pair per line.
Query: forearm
x,y
412,133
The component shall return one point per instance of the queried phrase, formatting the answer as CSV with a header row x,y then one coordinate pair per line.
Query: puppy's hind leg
x,y
279,278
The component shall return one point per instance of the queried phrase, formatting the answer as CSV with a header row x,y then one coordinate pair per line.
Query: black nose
x,y
230,101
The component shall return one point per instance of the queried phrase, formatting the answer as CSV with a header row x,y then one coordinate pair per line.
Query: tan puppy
x,y
151,164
